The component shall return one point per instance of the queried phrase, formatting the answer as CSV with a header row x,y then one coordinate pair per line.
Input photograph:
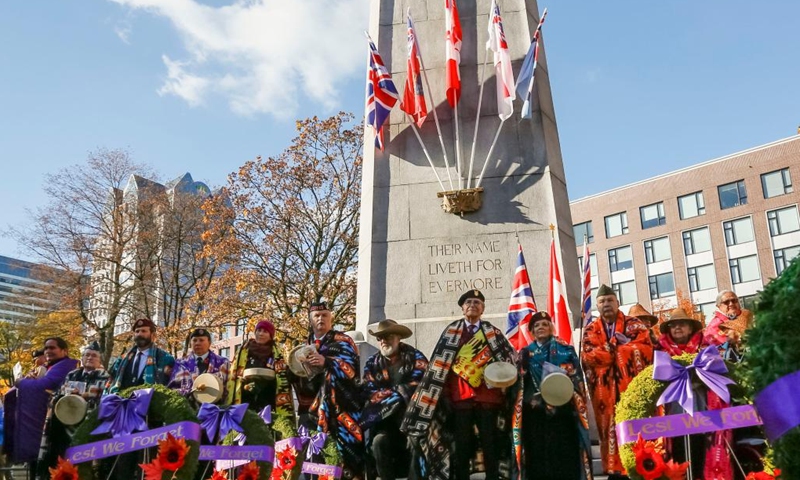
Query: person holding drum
x,y
616,348
80,392
210,388
457,394
555,420
325,371
390,378
259,374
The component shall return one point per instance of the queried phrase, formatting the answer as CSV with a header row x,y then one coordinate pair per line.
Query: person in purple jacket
x,y
26,404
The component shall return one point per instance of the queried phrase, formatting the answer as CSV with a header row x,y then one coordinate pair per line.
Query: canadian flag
x,y
453,45
556,303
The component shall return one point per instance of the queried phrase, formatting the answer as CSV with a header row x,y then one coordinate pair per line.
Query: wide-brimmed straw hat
x,y
678,314
739,324
641,313
388,327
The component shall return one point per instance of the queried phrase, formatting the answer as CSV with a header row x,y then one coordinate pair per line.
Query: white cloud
x,y
123,31
262,55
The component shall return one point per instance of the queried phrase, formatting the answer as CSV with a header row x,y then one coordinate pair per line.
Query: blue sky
x,y
640,87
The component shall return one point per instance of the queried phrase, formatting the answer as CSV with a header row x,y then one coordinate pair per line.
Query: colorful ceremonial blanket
x,y
385,398
472,359
562,355
426,415
610,366
186,370
338,402
157,370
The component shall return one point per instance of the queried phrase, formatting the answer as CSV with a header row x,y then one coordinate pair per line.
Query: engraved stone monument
x,y
415,258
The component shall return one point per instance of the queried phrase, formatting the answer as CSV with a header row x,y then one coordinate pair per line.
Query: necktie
x,y
317,343
201,365
135,369
473,329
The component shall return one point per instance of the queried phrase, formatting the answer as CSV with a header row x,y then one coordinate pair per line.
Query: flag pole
x,y
478,117
458,150
425,150
435,116
488,155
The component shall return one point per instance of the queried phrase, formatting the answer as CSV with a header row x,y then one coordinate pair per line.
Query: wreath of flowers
x,y
257,433
639,401
167,407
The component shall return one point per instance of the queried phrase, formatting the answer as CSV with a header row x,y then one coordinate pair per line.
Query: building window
x,y
620,258
224,333
582,230
738,231
652,215
732,195
708,310
696,241
776,183
225,352
784,256
616,225
782,221
592,265
657,250
626,292
241,324
744,269
691,205
702,278
662,285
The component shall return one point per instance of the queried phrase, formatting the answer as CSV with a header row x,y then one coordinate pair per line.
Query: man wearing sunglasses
x,y
729,309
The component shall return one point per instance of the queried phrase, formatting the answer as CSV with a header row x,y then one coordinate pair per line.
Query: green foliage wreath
x,y
166,407
639,401
257,433
773,352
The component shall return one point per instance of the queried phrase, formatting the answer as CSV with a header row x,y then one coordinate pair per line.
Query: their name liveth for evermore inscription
x,y
450,268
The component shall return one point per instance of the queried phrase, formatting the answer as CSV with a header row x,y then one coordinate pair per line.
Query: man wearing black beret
x,y
144,363
453,386
201,360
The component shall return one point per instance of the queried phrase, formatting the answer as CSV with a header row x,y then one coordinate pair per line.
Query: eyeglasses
x,y
730,301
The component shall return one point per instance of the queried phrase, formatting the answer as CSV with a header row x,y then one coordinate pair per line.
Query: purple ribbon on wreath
x,y
315,442
123,416
214,419
707,365
266,414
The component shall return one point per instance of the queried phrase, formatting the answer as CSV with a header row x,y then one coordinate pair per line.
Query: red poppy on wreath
x,y
776,475
172,453
277,473
219,475
676,471
649,462
286,458
249,471
152,470
64,471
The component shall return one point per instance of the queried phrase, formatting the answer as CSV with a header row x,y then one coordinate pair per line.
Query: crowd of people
x,y
478,404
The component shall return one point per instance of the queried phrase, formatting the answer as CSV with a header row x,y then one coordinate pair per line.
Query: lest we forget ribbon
x,y
217,422
710,369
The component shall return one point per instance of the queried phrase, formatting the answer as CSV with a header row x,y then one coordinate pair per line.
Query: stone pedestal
x,y
415,259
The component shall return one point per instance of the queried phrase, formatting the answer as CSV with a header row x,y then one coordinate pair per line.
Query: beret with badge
x,y
471,294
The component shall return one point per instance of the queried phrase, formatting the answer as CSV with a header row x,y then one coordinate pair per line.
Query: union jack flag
x,y
528,69
381,93
521,307
586,286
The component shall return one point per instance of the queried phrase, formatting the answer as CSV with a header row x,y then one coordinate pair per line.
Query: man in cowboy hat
x,y
87,381
144,363
729,309
616,348
390,378
555,439
650,320
453,399
332,399
201,360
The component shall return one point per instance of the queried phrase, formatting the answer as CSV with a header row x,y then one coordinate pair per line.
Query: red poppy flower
x,y
219,475
277,473
763,475
172,453
286,458
676,471
249,472
152,470
64,471
649,462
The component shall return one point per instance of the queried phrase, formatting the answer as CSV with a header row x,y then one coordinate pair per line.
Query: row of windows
x,y
691,205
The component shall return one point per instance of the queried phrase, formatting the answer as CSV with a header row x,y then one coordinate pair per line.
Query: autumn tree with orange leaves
x,y
287,231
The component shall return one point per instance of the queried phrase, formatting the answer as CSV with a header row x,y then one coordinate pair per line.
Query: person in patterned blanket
x,y
390,378
452,400
334,394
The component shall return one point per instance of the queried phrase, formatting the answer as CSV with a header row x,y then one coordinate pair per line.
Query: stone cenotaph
x,y
420,249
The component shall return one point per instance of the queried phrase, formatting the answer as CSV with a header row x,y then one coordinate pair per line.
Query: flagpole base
x,y
462,201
